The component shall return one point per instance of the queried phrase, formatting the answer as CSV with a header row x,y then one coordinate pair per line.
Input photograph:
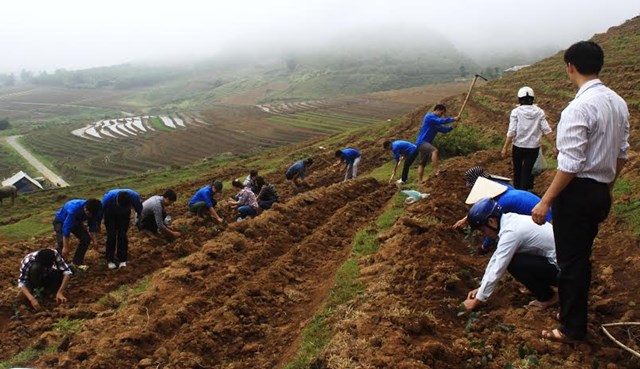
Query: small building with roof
x,y
22,182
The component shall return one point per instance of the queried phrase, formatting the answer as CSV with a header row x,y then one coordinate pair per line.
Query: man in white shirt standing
x,y
592,141
524,249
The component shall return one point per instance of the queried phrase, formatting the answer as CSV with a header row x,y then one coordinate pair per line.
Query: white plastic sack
x,y
540,165
413,196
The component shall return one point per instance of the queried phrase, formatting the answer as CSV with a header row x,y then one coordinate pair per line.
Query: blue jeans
x,y
246,211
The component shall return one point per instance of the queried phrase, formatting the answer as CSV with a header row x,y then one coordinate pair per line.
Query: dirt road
x,y
46,172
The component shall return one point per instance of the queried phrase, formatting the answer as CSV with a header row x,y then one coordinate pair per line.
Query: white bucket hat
x,y
484,188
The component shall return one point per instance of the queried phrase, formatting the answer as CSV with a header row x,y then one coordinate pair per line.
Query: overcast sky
x,y
51,34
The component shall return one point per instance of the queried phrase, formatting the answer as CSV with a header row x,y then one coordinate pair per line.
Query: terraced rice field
x,y
124,146
126,127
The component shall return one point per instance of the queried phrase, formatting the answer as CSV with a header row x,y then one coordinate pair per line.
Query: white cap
x,y
484,188
525,91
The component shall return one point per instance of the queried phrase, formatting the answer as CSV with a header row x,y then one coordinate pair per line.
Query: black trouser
x,y
408,161
78,230
47,280
577,211
149,222
116,222
523,161
266,204
536,273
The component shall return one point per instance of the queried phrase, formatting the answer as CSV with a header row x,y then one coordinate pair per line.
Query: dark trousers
x,y
149,222
80,231
523,161
44,280
266,204
536,273
577,211
116,222
408,161
247,211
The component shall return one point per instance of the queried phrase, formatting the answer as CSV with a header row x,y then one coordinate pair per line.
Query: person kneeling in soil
x,y
509,199
154,214
43,274
250,181
267,194
350,157
296,171
524,249
203,202
246,204
70,219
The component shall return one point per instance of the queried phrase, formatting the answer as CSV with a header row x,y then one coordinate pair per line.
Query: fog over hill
x,y
72,34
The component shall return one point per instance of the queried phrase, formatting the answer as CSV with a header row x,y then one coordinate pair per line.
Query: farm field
x,y
35,104
338,275
112,147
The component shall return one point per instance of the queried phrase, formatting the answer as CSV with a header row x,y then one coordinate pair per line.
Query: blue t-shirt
x,y
432,124
72,214
402,148
519,202
204,194
296,168
516,201
109,200
349,155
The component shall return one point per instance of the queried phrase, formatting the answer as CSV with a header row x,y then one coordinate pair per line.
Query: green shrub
x,y
463,140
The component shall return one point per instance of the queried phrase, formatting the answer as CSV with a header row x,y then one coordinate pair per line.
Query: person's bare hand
x,y
60,298
539,213
503,153
35,304
472,294
471,304
460,223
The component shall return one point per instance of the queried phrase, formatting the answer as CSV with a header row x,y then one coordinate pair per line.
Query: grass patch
x,y
318,333
21,358
121,296
67,326
462,141
157,123
29,227
627,209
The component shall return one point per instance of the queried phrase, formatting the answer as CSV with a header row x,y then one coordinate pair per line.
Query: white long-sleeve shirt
x,y
527,124
593,133
518,234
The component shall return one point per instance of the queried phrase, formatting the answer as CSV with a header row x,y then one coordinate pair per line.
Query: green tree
x,y
4,124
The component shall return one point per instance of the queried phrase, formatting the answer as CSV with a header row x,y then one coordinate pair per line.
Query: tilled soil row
x,y
408,317
249,291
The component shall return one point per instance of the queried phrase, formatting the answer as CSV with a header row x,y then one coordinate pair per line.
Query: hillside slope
x,y
248,295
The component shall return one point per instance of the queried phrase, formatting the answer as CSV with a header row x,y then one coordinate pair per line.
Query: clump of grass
x,y
21,358
66,326
462,141
120,296
629,209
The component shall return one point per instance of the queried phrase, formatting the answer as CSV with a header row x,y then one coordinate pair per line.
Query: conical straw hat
x,y
484,188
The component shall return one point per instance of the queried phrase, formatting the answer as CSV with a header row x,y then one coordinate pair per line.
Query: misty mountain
x,y
354,62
